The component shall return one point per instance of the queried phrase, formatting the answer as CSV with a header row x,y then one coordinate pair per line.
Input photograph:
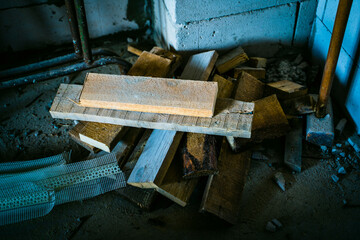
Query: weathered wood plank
x,y
231,59
285,89
147,94
257,62
74,134
249,88
155,159
225,86
223,108
223,191
199,66
149,64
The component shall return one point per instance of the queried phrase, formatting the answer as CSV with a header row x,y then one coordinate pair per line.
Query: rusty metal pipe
x,y
71,14
341,19
83,30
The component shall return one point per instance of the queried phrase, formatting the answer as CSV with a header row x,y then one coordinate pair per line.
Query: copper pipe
x,y
341,19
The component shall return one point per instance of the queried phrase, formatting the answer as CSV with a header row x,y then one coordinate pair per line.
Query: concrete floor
x,y
311,207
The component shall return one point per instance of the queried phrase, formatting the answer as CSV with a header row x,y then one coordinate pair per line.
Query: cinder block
x,y
305,20
184,11
320,9
271,25
352,102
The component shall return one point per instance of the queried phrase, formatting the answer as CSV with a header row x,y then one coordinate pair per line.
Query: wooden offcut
x,y
149,64
222,195
232,118
199,155
147,94
200,66
258,73
134,50
225,86
101,135
74,134
257,62
249,88
285,89
231,59
155,159
175,58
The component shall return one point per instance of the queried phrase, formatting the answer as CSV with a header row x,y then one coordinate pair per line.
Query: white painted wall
x,y
346,87
36,24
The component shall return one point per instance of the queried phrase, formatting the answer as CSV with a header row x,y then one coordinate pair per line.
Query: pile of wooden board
x,y
168,132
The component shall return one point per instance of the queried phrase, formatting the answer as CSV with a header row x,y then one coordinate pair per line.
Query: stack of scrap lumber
x,y
169,125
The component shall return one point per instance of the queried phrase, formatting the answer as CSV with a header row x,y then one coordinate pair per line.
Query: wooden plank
x,y
101,135
155,159
223,191
257,62
225,86
231,59
249,88
74,134
293,145
147,94
299,105
151,65
134,50
224,109
285,89
258,73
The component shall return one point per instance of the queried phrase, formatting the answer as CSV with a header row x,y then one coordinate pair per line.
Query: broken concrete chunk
x,y
276,222
323,148
270,227
259,156
342,170
335,178
340,126
280,180
354,141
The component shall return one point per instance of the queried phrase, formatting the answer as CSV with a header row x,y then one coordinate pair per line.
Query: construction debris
x,y
280,180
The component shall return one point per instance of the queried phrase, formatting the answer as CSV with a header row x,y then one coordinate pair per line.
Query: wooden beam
x,y
147,94
293,145
225,86
257,62
285,89
258,73
223,191
100,135
232,118
231,59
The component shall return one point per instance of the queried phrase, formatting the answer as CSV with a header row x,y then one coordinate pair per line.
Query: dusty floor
x,y
312,207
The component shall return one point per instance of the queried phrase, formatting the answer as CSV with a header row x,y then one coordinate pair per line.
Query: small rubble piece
x,y
280,180
335,178
323,148
259,156
342,170
273,225
298,59
340,126
354,141
270,227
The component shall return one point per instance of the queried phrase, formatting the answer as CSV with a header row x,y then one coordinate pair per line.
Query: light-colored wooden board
x,y
222,195
231,118
149,64
285,89
200,66
155,159
249,88
231,59
225,86
148,94
258,73
101,135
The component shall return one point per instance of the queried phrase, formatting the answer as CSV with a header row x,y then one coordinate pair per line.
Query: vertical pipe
x,y
341,19
83,30
70,10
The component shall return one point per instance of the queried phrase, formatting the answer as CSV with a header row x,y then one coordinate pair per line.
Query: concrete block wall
x,y
346,86
35,24
189,25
